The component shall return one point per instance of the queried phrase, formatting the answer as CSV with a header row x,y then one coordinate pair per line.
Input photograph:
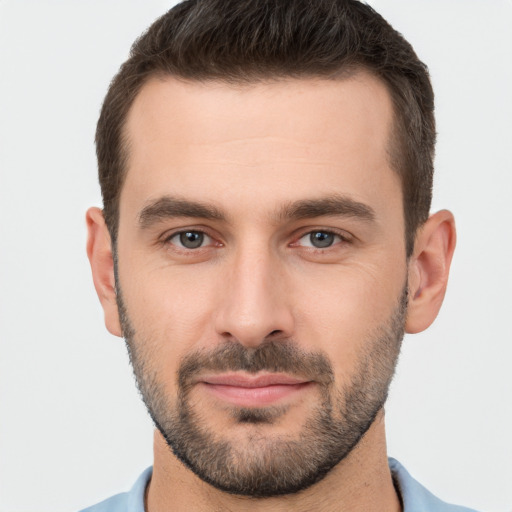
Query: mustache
x,y
273,357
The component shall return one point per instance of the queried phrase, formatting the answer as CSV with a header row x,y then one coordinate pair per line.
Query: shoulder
x,y
117,503
415,497
132,501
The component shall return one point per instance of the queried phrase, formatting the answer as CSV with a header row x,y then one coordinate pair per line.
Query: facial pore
x,y
266,464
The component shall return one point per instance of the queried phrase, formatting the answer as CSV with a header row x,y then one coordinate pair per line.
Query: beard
x,y
264,464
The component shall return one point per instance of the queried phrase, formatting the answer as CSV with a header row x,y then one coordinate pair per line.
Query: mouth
x,y
244,390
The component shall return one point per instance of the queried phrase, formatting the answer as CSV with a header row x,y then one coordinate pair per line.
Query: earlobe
x,y
99,251
429,267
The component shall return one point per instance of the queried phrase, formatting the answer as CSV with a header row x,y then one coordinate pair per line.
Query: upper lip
x,y
246,380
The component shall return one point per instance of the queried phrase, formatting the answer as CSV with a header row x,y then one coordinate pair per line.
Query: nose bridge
x,y
254,304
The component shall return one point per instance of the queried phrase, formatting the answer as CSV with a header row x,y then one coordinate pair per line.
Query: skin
x,y
250,151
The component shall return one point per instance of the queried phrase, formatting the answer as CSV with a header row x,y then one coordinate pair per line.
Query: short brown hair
x,y
239,41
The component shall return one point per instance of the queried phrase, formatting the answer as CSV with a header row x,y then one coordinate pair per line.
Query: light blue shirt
x,y
415,497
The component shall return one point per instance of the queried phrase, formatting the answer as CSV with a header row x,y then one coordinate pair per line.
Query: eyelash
x,y
167,240
344,238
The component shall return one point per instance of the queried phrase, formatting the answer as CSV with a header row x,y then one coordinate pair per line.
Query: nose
x,y
254,306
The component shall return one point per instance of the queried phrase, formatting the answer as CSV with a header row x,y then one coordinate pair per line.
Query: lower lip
x,y
255,397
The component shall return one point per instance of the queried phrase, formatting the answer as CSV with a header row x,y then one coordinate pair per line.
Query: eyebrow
x,y
171,207
334,205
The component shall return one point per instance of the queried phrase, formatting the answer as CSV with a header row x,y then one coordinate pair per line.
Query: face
x,y
261,273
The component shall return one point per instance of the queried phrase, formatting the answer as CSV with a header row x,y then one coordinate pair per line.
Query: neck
x,y
361,482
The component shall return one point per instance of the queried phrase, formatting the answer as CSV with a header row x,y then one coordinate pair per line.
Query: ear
x,y
429,267
99,251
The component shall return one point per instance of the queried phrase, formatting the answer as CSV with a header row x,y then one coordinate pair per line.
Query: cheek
x,y
341,309
168,324
169,309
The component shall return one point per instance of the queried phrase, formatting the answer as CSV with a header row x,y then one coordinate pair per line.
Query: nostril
x,y
275,333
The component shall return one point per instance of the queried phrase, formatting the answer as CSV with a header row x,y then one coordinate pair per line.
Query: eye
x,y
319,239
190,239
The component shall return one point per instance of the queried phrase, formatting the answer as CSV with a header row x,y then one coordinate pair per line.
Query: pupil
x,y
191,239
321,239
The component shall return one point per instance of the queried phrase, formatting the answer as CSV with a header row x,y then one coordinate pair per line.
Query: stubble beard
x,y
265,465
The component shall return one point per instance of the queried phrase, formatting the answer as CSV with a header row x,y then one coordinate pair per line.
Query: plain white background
x,y
72,428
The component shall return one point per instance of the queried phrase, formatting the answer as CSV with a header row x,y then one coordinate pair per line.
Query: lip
x,y
246,390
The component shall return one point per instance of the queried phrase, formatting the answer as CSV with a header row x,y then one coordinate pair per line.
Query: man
x,y
266,171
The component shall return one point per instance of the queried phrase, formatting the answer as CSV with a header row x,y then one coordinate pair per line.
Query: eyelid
x,y
165,238
206,240
342,234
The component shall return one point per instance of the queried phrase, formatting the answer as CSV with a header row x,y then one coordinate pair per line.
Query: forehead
x,y
273,139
